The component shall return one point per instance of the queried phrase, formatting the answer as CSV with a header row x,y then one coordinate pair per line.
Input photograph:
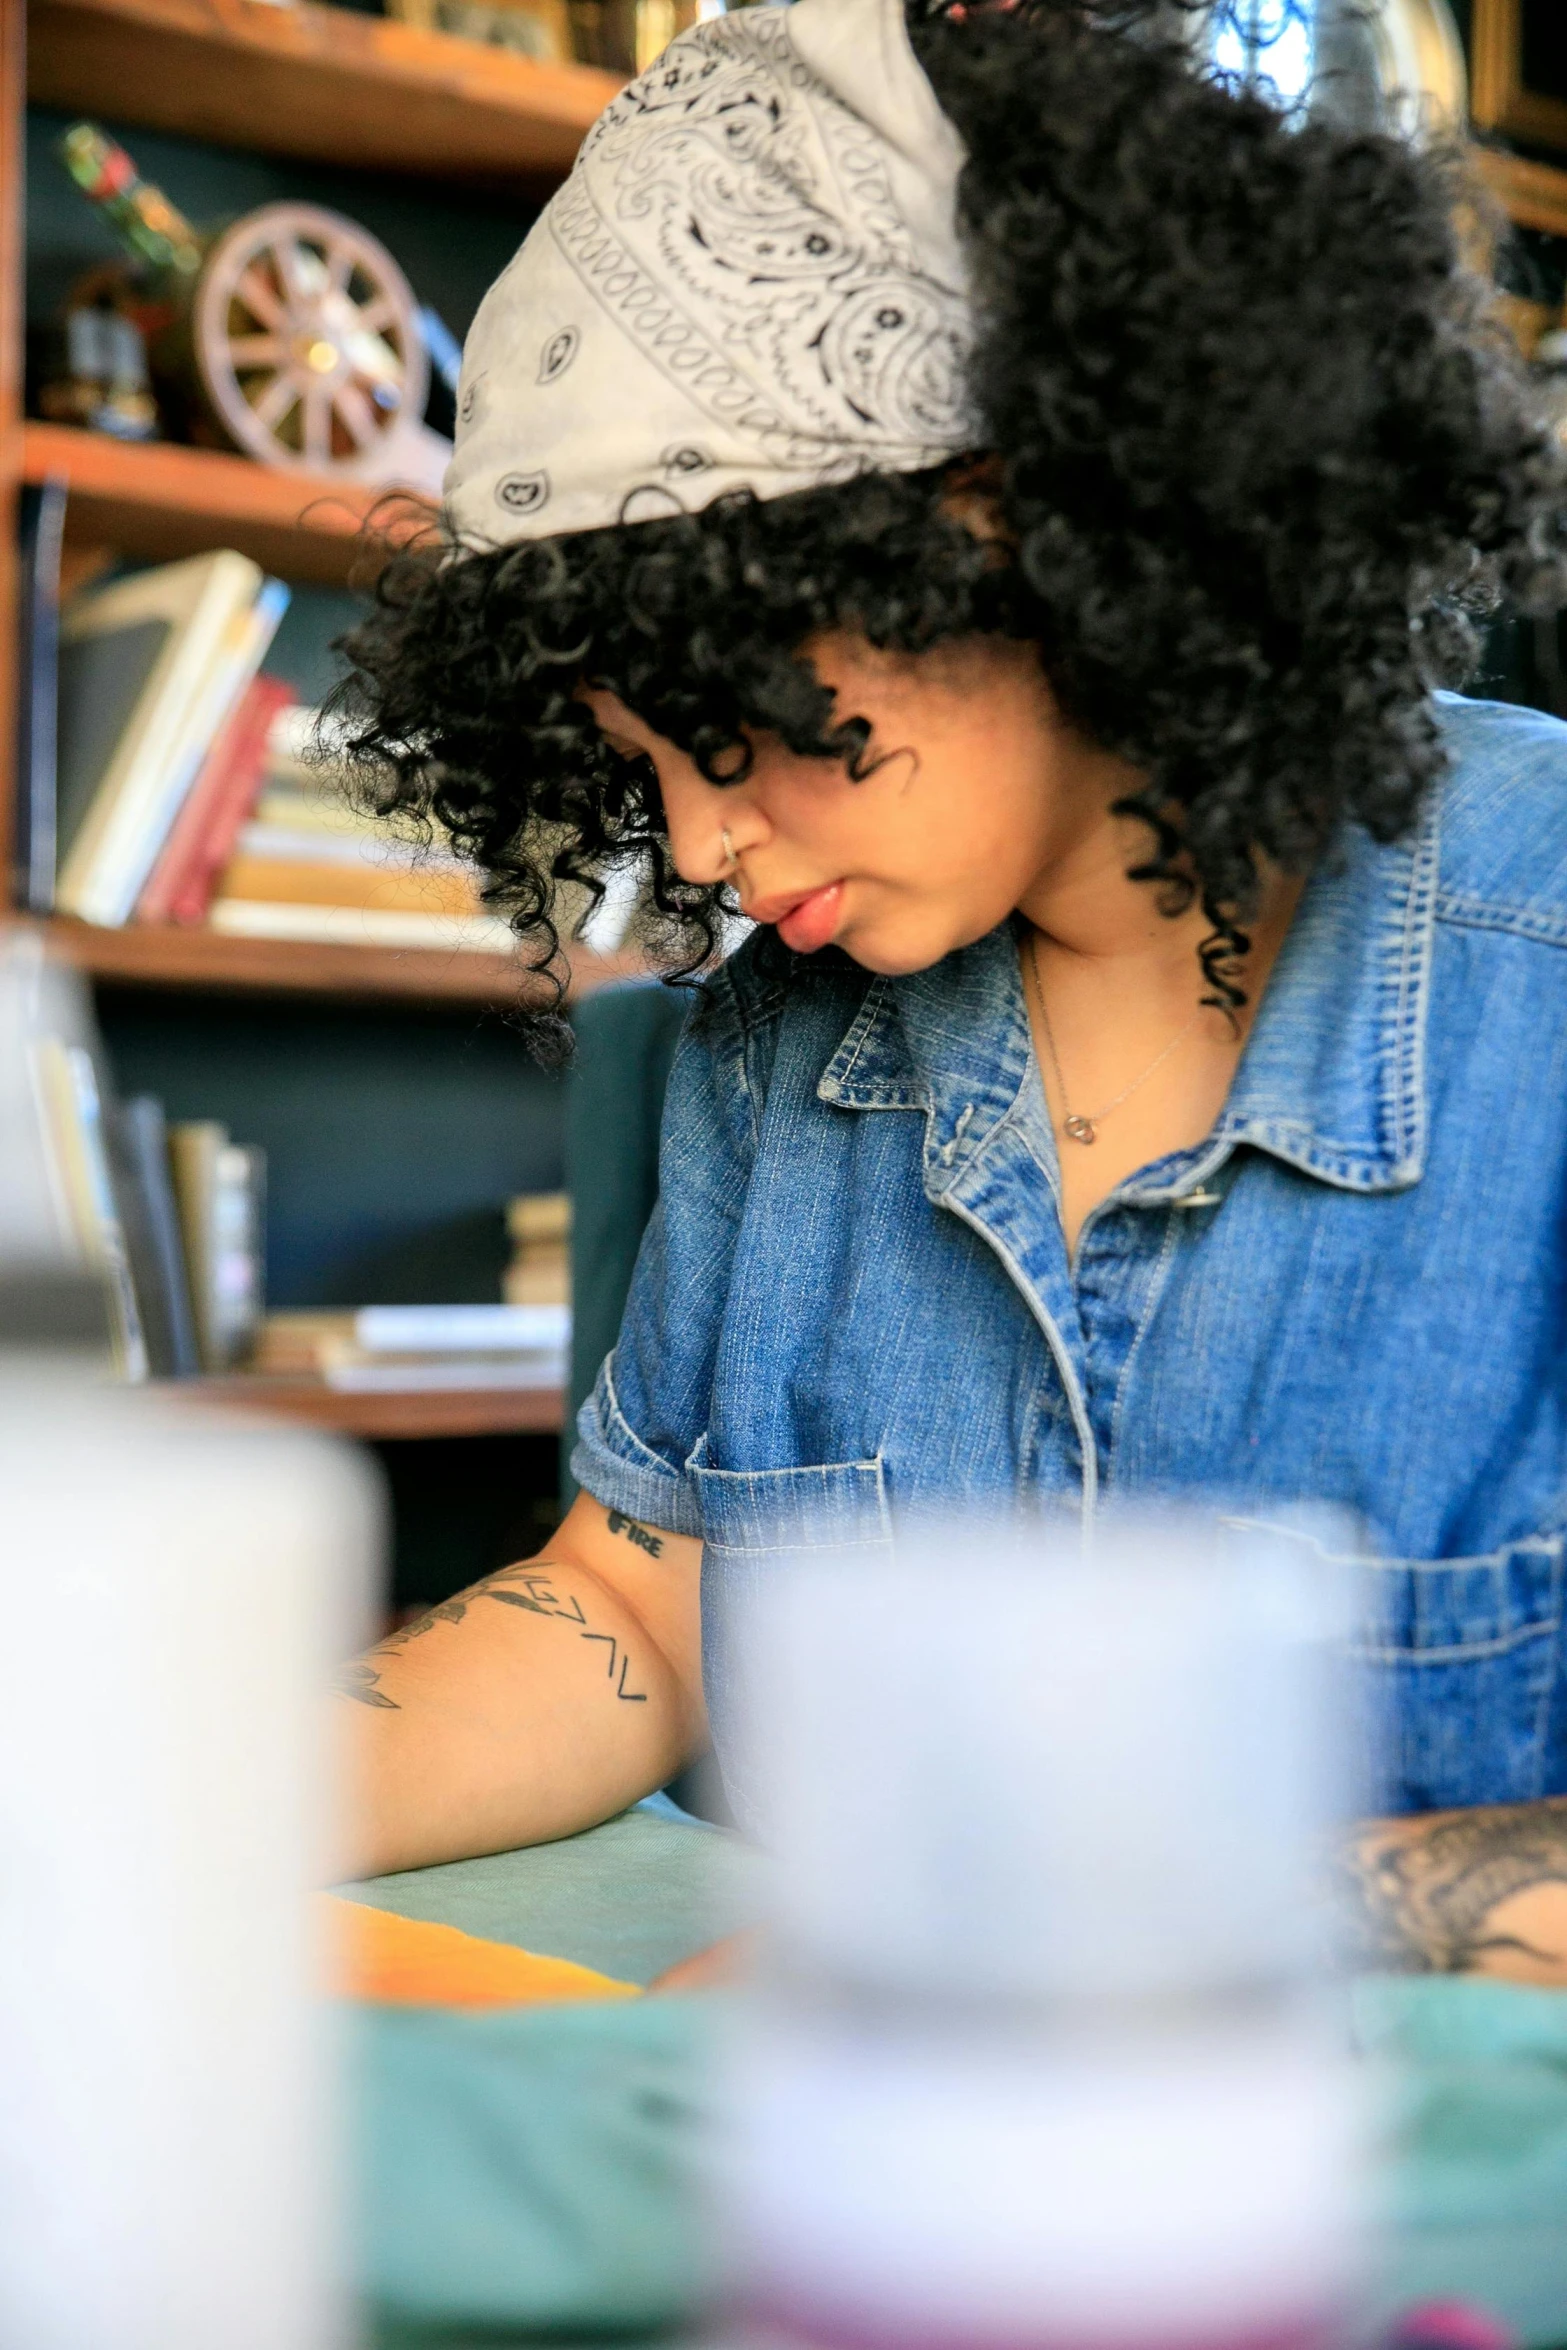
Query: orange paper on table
x,y
406,1962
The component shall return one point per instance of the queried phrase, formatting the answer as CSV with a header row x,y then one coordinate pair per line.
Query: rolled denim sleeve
x,y
649,1408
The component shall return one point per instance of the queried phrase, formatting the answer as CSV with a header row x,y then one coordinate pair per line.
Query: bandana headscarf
x,y
751,280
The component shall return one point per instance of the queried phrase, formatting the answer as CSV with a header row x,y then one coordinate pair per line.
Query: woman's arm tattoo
x,y
528,1587
1463,1892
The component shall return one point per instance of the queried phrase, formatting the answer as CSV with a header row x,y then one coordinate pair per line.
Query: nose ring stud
x,y
730,854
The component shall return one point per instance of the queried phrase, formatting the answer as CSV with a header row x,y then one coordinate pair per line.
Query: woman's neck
x,y
1113,987
1091,915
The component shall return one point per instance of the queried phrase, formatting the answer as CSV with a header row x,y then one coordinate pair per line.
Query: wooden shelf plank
x,y
151,498
326,84
158,956
478,1411
1532,194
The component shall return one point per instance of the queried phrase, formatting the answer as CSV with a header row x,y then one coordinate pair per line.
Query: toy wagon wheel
x,y
307,340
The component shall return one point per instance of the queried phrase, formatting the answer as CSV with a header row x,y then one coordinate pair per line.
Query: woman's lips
x,y
804,923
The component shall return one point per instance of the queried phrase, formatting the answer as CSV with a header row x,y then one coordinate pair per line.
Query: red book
x,y
180,886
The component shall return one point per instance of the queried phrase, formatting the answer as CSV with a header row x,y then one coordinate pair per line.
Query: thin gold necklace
x,y
1083,1126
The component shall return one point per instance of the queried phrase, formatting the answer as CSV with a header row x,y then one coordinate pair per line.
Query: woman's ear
x,y
972,496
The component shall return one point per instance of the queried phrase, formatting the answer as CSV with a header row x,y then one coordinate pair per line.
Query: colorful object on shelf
x,y
94,374
290,334
306,335
1449,2325
406,1962
148,223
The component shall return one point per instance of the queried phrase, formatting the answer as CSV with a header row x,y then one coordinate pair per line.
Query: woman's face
x,y
980,796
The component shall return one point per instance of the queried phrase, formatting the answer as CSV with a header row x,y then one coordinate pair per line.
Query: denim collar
x,y
1332,1079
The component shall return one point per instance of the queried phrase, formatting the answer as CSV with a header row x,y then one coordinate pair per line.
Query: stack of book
x,y
389,1350
538,1224
170,1216
165,777
137,701
308,864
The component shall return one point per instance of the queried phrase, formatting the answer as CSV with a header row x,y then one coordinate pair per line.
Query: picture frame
x,y
1518,72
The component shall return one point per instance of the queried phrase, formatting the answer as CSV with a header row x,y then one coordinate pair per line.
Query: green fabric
x,y
1479,2181
528,2170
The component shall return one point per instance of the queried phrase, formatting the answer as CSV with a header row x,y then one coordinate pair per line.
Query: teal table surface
x,y
532,2174
535,2174
630,1898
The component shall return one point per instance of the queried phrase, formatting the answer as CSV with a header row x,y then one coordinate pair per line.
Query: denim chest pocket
x,y
753,1523
1458,1663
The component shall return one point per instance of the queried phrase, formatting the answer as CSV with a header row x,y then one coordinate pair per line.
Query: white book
x,y
460,1329
137,659
381,851
362,926
353,1376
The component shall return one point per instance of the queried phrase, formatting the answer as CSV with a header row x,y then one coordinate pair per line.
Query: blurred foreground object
x,y
1044,2060
289,334
1363,64
176,1589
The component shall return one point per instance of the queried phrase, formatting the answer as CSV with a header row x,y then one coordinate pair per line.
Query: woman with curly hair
x,y
1000,506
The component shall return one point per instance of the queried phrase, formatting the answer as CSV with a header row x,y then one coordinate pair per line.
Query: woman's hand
x,y
717,1968
1480,1892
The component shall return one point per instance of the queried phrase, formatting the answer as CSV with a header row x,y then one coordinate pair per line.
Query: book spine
x,y
42,530
383,887
70,1086
220,1188
362,926
158,1264
238,1252
193,1155
180,886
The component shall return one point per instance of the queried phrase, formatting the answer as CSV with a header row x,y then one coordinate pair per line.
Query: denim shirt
x,y
855,1299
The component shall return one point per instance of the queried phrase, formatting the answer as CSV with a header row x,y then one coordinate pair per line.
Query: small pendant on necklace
x,y
1080,1129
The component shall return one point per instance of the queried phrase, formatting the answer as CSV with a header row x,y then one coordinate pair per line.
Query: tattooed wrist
x,y
534,1590
1464,1892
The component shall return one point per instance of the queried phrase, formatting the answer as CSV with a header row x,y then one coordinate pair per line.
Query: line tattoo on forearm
x,y
522,1587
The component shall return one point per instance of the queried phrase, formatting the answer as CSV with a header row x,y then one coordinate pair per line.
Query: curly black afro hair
x,y
1260,455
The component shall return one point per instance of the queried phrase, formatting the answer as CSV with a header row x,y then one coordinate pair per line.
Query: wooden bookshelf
x,y
153,499
158,956
324,84
1532,194
442,1411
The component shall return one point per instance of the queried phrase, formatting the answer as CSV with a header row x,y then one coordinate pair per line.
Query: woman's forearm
x,y
1480,1892
540,1701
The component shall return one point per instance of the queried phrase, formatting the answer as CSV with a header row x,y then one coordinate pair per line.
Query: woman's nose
x,y
711,829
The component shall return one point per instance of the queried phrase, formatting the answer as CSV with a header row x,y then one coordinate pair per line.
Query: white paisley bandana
x,y
751,280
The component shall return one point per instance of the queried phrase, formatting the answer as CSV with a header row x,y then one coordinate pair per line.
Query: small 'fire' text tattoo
x,y
653,1544
520,1587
